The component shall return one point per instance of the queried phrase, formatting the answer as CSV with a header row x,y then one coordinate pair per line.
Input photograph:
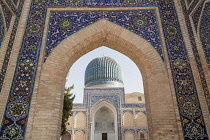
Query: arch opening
x,y
130,72
104,121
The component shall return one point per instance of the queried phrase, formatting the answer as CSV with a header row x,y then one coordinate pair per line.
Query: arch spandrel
x,y
142,22
103,33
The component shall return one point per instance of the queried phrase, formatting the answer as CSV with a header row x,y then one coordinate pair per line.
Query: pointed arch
x,y
128,119
52,76
100,104
141,120
129,135
80,120
79,135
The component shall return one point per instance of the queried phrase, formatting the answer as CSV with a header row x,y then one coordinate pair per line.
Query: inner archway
x,y
49,99
104,121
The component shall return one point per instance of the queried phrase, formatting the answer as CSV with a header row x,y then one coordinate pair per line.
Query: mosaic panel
x,y
205,32
8,52
192,5
196,16
193,124
19,99
7,15
133,106
124,111
11,40
197,58
187,98
79,106
12,7
143,23
142,130
89,92
15,2
112,99
189,1
125,130
111,3
1,28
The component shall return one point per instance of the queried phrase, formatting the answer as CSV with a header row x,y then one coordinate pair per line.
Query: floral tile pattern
x,y
16,112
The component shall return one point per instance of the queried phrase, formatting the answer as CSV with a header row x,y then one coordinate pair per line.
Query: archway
x,y
109,117
49,100
129,135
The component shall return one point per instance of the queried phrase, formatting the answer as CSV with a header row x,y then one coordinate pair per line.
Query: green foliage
x,y
67,107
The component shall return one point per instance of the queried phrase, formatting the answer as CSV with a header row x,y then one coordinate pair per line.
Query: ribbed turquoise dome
x,y
103,72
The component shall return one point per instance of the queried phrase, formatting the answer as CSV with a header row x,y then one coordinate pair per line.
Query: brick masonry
x,y
34,82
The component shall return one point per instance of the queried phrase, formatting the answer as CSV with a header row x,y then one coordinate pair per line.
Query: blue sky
x,y
131,74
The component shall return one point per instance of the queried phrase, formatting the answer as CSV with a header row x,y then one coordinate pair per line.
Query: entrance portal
x,y
104,124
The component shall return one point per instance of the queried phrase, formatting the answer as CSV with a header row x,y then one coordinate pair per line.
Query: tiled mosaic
x,y
205,32
143,23
196,16
189,1
195,51
11,40
16,11
1,28
192,5
18,104
7,14
198,62
15,2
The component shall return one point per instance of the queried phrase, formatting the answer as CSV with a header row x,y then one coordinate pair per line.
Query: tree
x,y
67,107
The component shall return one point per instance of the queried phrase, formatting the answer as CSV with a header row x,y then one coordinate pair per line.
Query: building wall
x,y
30,78
131,115
134,98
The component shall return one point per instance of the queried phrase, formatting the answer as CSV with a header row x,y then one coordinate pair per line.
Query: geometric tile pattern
x,y
192,5
18,104
199,66
1,28
205,32
11,5
15,2
189,1
7,15
12,38
195,51
196,16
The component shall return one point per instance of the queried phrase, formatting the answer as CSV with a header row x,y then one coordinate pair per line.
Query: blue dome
x,y
103,72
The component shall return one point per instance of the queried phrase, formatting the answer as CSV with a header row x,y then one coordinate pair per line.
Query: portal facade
x,y
167,39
